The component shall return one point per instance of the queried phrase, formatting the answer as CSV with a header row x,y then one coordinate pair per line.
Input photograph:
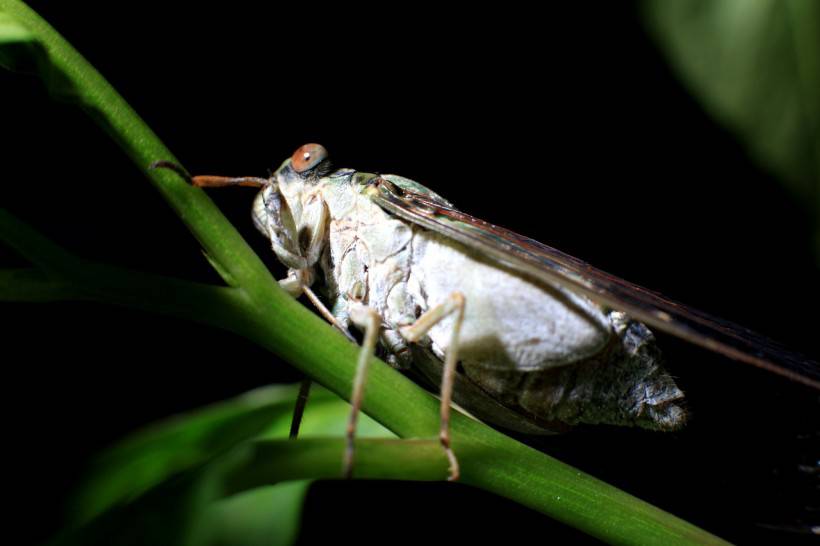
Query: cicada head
x,y
308,158
307,164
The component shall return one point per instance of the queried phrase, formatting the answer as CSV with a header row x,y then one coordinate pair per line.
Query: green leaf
x,y
755,66
166,449
265,516
165,514
167,482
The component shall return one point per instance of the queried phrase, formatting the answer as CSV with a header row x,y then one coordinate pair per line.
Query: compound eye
x,y
307,157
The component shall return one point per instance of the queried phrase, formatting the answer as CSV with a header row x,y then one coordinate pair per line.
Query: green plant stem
x,y
268,462
262,312
61,276
32,285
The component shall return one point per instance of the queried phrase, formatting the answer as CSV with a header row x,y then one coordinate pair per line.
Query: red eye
x,y
307,157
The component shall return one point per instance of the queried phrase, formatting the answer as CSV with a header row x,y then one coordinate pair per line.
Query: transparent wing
x,y
553,266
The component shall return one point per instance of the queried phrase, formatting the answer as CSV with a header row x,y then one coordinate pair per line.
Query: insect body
x,y
542,339
514,327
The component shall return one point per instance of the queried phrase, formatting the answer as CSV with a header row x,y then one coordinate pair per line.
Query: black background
x,y
566,126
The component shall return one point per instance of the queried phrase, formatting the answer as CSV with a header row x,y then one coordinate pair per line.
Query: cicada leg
x,y
299,408
295,289
454,304
282,231
368,320
283,234
295,285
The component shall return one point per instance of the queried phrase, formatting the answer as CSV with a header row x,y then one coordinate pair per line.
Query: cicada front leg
x,y
283,232
274,217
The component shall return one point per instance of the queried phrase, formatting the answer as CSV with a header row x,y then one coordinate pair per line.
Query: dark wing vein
x,y
553,266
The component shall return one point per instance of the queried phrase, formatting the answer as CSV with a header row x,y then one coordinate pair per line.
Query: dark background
x,y
566,126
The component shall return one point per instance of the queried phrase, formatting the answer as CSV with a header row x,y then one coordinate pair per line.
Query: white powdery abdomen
x,y
510,321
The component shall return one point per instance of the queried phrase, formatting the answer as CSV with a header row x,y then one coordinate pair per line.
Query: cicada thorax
x,y
367,261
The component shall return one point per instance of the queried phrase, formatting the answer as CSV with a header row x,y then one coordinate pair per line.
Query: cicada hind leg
x,y
453,305
369,321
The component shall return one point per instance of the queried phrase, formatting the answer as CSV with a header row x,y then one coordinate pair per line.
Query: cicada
x,y
521,335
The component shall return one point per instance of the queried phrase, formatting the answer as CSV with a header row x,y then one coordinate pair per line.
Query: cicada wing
x,y
547,264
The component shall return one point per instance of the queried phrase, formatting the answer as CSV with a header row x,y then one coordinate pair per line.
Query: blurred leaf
x,y
165,514
164,484
262,517
326,415
166,449
755,66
